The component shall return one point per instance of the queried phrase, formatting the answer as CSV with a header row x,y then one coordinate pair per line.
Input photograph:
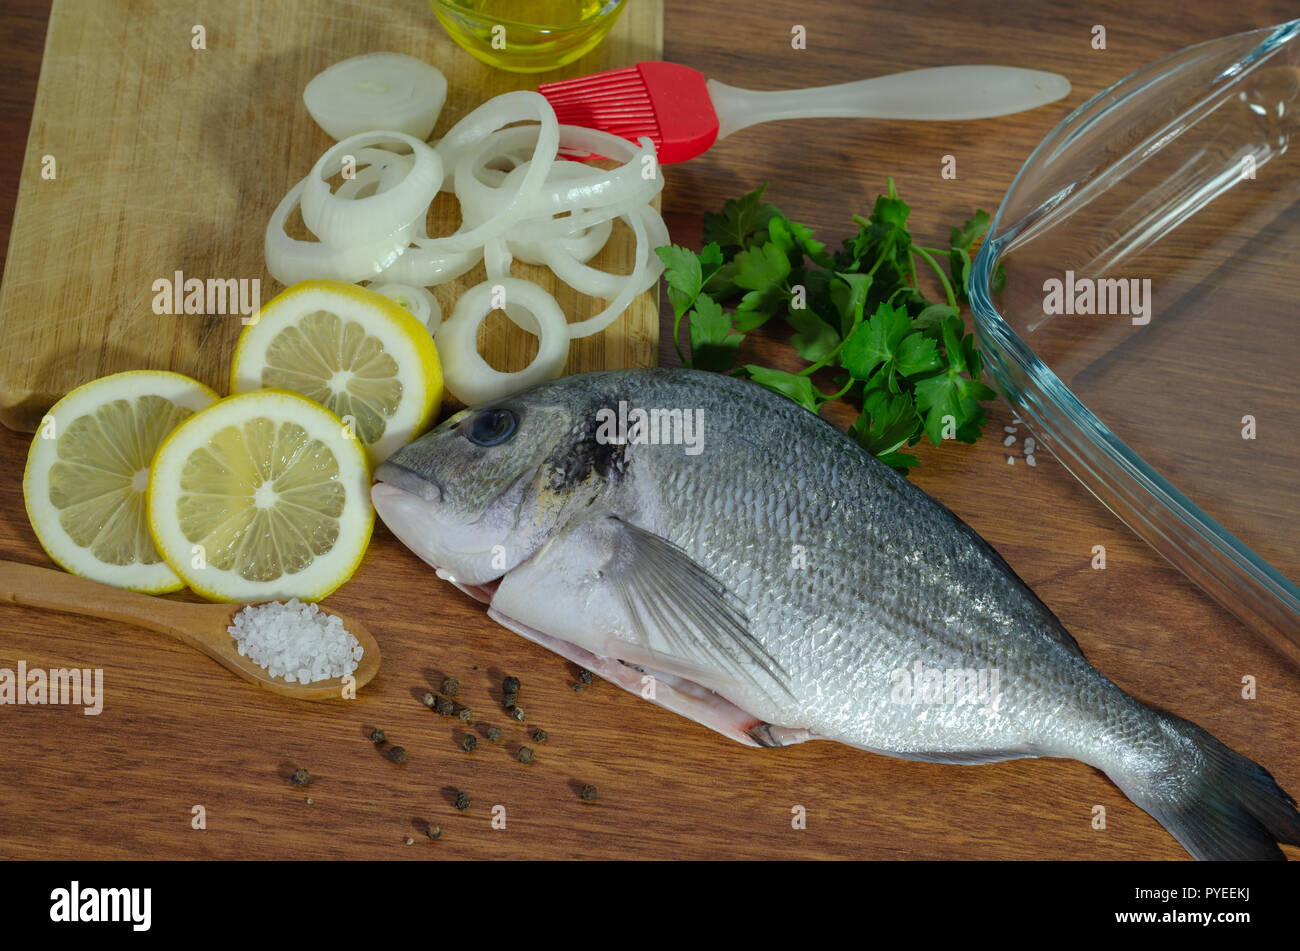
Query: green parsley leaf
x,y
713,345
875,342
814,338
686,272
884,235
796,240
962,241
741,220
916,354
949,399
848,292
798,388
762,272
682,275
887,423
929,321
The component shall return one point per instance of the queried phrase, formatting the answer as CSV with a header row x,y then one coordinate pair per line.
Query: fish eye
x,y
492,427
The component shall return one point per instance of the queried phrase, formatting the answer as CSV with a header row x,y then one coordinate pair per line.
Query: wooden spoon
x,y
201,626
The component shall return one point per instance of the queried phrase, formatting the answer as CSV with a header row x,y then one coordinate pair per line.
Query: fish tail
x,y
1217,803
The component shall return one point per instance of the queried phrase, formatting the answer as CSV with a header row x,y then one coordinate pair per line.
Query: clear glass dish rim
x,y
1088,430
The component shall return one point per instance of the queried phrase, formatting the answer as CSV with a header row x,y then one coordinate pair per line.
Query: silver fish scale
x,y
892,578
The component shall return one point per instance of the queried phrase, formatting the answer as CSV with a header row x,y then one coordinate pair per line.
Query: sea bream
x,y
780,584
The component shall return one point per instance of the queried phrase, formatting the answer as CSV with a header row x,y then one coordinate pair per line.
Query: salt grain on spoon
x,y
295,641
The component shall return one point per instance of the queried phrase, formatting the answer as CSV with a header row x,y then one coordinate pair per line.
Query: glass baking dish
x,y
1148,330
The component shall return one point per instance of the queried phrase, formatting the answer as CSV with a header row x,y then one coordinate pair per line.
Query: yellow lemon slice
x,y
84,485
261,497
354,351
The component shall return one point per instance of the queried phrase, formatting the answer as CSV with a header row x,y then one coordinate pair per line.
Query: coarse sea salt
x,y
296,641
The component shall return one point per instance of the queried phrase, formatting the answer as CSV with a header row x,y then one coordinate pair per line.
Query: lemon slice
x,y
261,497
352,350
84,485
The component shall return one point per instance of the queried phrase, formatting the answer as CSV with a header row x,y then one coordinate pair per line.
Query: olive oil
x,y
527,37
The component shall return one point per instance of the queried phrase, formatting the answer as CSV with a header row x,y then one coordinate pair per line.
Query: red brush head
x,y
665,102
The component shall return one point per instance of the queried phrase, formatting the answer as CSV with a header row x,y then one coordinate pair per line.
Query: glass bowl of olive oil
x,y
527,38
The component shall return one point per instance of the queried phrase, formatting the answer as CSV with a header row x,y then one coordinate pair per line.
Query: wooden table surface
x,y
177,731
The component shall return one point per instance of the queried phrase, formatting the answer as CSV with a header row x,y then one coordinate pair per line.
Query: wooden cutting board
x,y
147,157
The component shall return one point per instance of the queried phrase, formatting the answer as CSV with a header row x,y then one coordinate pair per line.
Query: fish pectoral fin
x,y
681,611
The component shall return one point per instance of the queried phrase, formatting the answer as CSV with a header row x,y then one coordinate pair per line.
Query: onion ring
x,y
466,138
647,271
338,221
382,168
290,260
466,374
422,305
566,193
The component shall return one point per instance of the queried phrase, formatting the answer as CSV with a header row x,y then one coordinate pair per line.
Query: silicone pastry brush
x,y
684,113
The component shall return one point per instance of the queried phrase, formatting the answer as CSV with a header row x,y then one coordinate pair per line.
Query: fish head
x,y
485,490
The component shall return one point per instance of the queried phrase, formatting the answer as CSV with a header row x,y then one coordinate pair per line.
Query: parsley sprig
x,y
904,360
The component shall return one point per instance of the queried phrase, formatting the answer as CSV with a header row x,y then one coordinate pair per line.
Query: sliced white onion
x,y
566,192
466,374
482,200
290,260
377,91
465,139
627,183
423,305
647,271
337,220
496,262
477,125
382,168
496,259
581,237
582,277
416,265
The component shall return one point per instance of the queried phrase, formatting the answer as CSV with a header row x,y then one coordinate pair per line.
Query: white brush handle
x,y
940,93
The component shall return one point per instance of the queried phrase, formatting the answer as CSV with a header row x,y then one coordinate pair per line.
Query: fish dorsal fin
x,y
679,609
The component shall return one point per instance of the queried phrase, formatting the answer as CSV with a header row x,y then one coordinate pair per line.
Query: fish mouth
x,y
402,510
408,480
